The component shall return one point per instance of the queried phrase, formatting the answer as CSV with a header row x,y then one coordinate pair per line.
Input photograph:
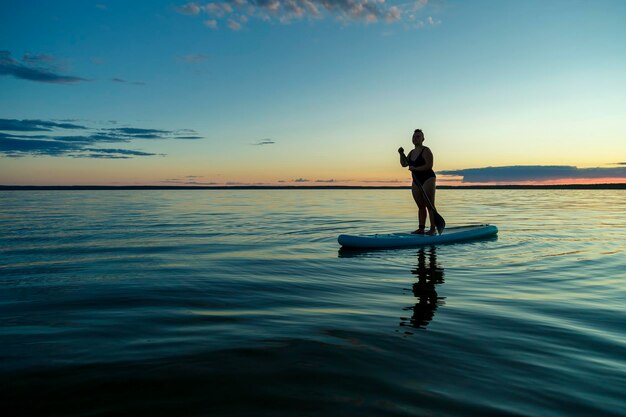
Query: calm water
x,y
239,303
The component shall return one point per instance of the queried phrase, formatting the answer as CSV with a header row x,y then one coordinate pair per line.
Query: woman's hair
x,y
418,131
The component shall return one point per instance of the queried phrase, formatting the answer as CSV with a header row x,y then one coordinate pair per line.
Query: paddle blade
x,y
440,223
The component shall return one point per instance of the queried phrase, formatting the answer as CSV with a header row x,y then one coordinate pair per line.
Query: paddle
x,y
440,223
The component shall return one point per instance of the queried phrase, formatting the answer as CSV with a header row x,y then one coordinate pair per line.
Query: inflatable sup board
x,y
406,239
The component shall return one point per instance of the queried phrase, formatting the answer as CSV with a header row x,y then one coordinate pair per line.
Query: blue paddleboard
x,y
405,239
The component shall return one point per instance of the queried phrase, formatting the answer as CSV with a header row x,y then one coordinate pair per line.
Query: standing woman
x,y
420,163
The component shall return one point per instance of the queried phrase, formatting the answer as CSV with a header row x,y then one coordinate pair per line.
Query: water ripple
x,y
241,303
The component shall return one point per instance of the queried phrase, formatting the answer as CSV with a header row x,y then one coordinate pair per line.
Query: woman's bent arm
x,y
403,159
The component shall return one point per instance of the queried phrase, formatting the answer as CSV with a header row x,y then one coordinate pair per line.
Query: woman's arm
x,y
428,161
403,159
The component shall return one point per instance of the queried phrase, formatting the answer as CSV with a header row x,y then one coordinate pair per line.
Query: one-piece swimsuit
x,y
421,176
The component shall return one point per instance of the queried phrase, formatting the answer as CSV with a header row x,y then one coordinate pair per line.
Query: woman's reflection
x,y
429,274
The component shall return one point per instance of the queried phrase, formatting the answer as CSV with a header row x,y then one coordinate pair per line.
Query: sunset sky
x,y
311,92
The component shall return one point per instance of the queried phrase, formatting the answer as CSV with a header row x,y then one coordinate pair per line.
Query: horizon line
x,y
603,186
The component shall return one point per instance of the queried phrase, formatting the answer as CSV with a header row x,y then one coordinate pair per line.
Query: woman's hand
x,y
403,159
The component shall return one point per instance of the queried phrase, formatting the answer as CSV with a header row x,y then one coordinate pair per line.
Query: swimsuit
x,y
420,176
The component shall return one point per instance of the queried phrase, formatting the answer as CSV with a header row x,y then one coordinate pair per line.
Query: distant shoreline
x,y
312,187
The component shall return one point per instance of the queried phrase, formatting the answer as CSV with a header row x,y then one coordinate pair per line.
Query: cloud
x,y
393,14
235,13
131,133
51,139
211,23
40,68
135,133
122,81
120,152
432,22
200,183
383,181
520,173
301,180
34,125
38,59
189,9
18,147
265,142
45,68
193,58
189,180
234,25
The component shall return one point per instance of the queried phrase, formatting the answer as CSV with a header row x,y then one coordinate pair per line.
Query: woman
x,y
420,163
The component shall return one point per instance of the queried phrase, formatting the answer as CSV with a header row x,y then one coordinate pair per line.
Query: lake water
x,y
240,303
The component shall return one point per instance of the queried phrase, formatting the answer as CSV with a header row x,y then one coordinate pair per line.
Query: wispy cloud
x,y
41,68
211,23
193,58
237,12
46,68
264,142
522,173
384,181
234,25
189,180
123,81
345,181
11,147
51,138
120,152
32,125
39,59
189,9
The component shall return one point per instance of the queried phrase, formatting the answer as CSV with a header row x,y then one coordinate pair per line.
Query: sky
x,y
311,92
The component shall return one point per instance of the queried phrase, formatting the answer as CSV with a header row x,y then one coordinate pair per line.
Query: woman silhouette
x,y
420,163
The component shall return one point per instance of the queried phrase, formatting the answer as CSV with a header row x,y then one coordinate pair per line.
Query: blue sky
x,y
277,91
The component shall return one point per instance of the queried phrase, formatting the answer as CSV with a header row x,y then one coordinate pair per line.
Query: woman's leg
x,y
421,214
429,188
418,197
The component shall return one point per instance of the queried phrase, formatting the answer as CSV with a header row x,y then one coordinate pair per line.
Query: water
x,y
239,303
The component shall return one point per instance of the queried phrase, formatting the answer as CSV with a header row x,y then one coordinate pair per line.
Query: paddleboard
x,y
405,239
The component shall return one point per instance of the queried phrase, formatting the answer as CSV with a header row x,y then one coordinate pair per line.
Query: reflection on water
x,y
428,274
234,303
